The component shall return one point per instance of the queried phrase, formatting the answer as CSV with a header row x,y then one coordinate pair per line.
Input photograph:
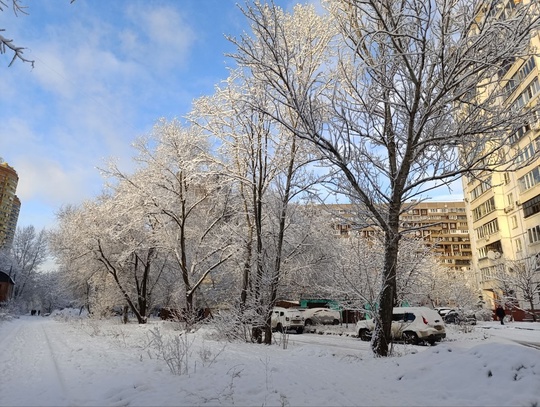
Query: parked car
x,y
459,317
320,316
409,324
286,319
443,310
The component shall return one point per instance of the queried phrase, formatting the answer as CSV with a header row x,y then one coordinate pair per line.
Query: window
x,y
398,317
480,189
487,229
519,246
506,178
534,234
529,180
483,209
513,220
526,154
528,93
531,207
510,199
519,76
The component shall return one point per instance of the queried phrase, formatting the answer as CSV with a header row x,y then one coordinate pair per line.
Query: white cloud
x,y
161,35
52,182
52,72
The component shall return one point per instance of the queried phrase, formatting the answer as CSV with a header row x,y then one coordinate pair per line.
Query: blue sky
x,y
105,72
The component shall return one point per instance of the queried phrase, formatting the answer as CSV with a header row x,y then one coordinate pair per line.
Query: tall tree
x,y
29,251
268,164
112,237
183,193
388,91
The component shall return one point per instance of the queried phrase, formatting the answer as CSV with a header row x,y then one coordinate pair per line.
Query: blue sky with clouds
x,y
104,72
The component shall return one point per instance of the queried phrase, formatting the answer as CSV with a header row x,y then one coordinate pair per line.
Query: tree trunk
x,y
383,324
125,317
281,236
533,311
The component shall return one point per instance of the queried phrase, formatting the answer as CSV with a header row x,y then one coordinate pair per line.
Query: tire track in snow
x,y
57,371
27,358
9,337
528,344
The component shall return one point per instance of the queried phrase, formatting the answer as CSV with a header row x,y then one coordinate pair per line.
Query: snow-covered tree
x,y
50,292
268,165
29,251
526,279
6,44
110,241
355,277
517,282
453,288
389,91
182,191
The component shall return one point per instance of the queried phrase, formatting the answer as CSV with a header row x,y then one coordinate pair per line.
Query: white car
x,y
286,319
443,310
409,324
321,316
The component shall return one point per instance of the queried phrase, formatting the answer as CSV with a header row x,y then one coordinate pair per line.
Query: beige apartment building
x,y
10,204
504,207
441,225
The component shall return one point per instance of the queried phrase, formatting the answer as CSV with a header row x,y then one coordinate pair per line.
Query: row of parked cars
x,y
409,324
295,319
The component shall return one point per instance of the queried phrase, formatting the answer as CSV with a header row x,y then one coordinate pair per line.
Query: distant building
x,y
441,225
10,204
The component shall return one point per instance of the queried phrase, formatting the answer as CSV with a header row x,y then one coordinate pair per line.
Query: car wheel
x,y
410,337
300,331
335,322
309,322
279,328
364,335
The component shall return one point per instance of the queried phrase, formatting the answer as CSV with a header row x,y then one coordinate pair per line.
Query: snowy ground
x,y
46,361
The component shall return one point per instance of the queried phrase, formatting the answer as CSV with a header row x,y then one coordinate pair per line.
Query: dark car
x,y
458,317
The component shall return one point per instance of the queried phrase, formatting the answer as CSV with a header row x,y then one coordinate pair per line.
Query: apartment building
x,y
10,204
504,207
442,226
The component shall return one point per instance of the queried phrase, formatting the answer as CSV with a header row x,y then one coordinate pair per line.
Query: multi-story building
x,y
504,207
9,204
441,225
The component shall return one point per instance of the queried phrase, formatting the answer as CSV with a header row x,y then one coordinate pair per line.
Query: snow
x,y
71,361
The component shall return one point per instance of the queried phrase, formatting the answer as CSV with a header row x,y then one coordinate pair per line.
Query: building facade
x,y
441,225
10,204
504,207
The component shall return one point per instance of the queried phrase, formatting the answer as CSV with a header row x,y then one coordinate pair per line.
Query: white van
x,y
285,319
410,324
